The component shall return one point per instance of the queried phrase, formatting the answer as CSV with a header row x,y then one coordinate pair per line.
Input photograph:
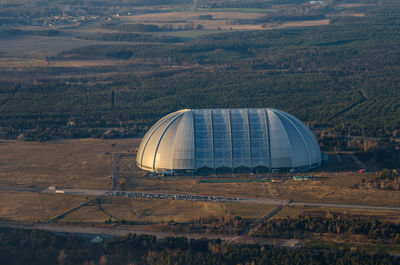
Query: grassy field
x,y
176,19
33,207
173,16
343,187
200,9
86,163
190,34
188,185
40,47
27,62
21,62
337,181
83,163
155,211
222,19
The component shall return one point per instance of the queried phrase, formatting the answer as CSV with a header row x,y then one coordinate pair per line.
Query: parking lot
x,y
188,197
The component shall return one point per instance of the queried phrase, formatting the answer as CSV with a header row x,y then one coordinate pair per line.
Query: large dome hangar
x,y
228,140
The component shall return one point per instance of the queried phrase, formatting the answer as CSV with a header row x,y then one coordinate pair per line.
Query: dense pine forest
x,y
288,227
26,247
343,77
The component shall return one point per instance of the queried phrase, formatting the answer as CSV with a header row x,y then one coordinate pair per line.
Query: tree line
x,y
336,224
32,247
388,179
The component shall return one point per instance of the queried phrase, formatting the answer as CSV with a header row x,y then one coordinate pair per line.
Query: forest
x,y
287,227
342,77
18,246
337,76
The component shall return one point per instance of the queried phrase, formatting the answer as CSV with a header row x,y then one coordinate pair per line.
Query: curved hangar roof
x,y
194,139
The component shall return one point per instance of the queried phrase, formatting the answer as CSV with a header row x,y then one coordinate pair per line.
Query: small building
x,y
96,239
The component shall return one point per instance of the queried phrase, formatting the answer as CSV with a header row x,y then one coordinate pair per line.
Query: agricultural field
x,y
31,46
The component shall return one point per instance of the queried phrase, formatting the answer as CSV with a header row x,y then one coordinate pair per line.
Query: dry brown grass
x,y
21,62
26,62
330,186
304,23
84,63
155,211
353,5
342,187
83,163
221,20
86,163
189,185
188,16
251,211
31,206
353,14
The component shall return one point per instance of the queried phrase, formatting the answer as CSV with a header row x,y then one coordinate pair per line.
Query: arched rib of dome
x,y
258,138
203,139
146,138
315,153
281,154
268,137
222,138
240,138
300,152
163,158
149,149
183,150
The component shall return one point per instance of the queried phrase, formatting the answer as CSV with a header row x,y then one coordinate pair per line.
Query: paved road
x,y
347,206
115,175
322,204
86,192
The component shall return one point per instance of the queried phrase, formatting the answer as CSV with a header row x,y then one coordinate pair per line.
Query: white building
x,y
226,140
